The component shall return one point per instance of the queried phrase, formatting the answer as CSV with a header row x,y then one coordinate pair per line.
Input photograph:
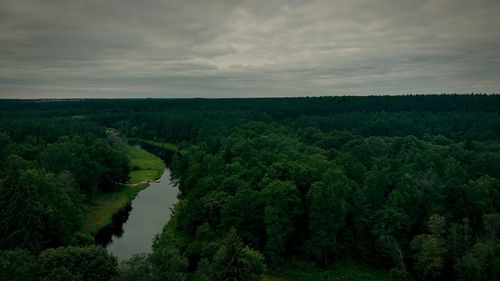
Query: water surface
x,y
151,210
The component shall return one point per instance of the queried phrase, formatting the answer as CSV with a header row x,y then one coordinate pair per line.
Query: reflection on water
x,y
134,228
104,236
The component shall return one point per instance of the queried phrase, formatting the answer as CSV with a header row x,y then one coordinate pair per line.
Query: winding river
x,y
150,211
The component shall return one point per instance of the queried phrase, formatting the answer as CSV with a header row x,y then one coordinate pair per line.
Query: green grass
x,y
104,206
341,271
149,166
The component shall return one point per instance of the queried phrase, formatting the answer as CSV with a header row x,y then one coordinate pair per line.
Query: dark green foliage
x,y
48,168
91,263
327,214
62,274
482,261
367,193
340,270
36,211
236,262
66,263
408,184
245,212
282,208
17,265
95,165
136,268
5,146
164,263
430,249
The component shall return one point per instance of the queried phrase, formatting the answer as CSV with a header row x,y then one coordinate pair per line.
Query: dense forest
x,y
406,184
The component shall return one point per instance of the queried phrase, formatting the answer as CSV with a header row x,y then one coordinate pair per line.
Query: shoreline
x,y
103,209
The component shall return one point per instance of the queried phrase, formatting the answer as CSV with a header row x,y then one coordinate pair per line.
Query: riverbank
x,y
145,167
164,150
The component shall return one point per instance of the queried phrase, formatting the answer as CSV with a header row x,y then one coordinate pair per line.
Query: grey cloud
x,y
227,48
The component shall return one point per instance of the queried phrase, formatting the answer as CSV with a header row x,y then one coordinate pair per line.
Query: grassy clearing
x,y
341,271
100,213
146,166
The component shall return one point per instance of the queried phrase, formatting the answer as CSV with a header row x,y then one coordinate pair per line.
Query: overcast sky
x,y
230,48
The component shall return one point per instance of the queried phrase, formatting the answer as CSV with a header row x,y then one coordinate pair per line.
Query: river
x,y
151,210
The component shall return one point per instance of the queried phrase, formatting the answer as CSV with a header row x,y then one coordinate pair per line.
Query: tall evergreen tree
x,y
327,214
236,262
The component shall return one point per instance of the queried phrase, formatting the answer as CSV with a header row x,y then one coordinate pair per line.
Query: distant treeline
x,y
280,107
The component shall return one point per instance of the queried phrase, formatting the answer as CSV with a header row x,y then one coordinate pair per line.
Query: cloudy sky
x,y
230,48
